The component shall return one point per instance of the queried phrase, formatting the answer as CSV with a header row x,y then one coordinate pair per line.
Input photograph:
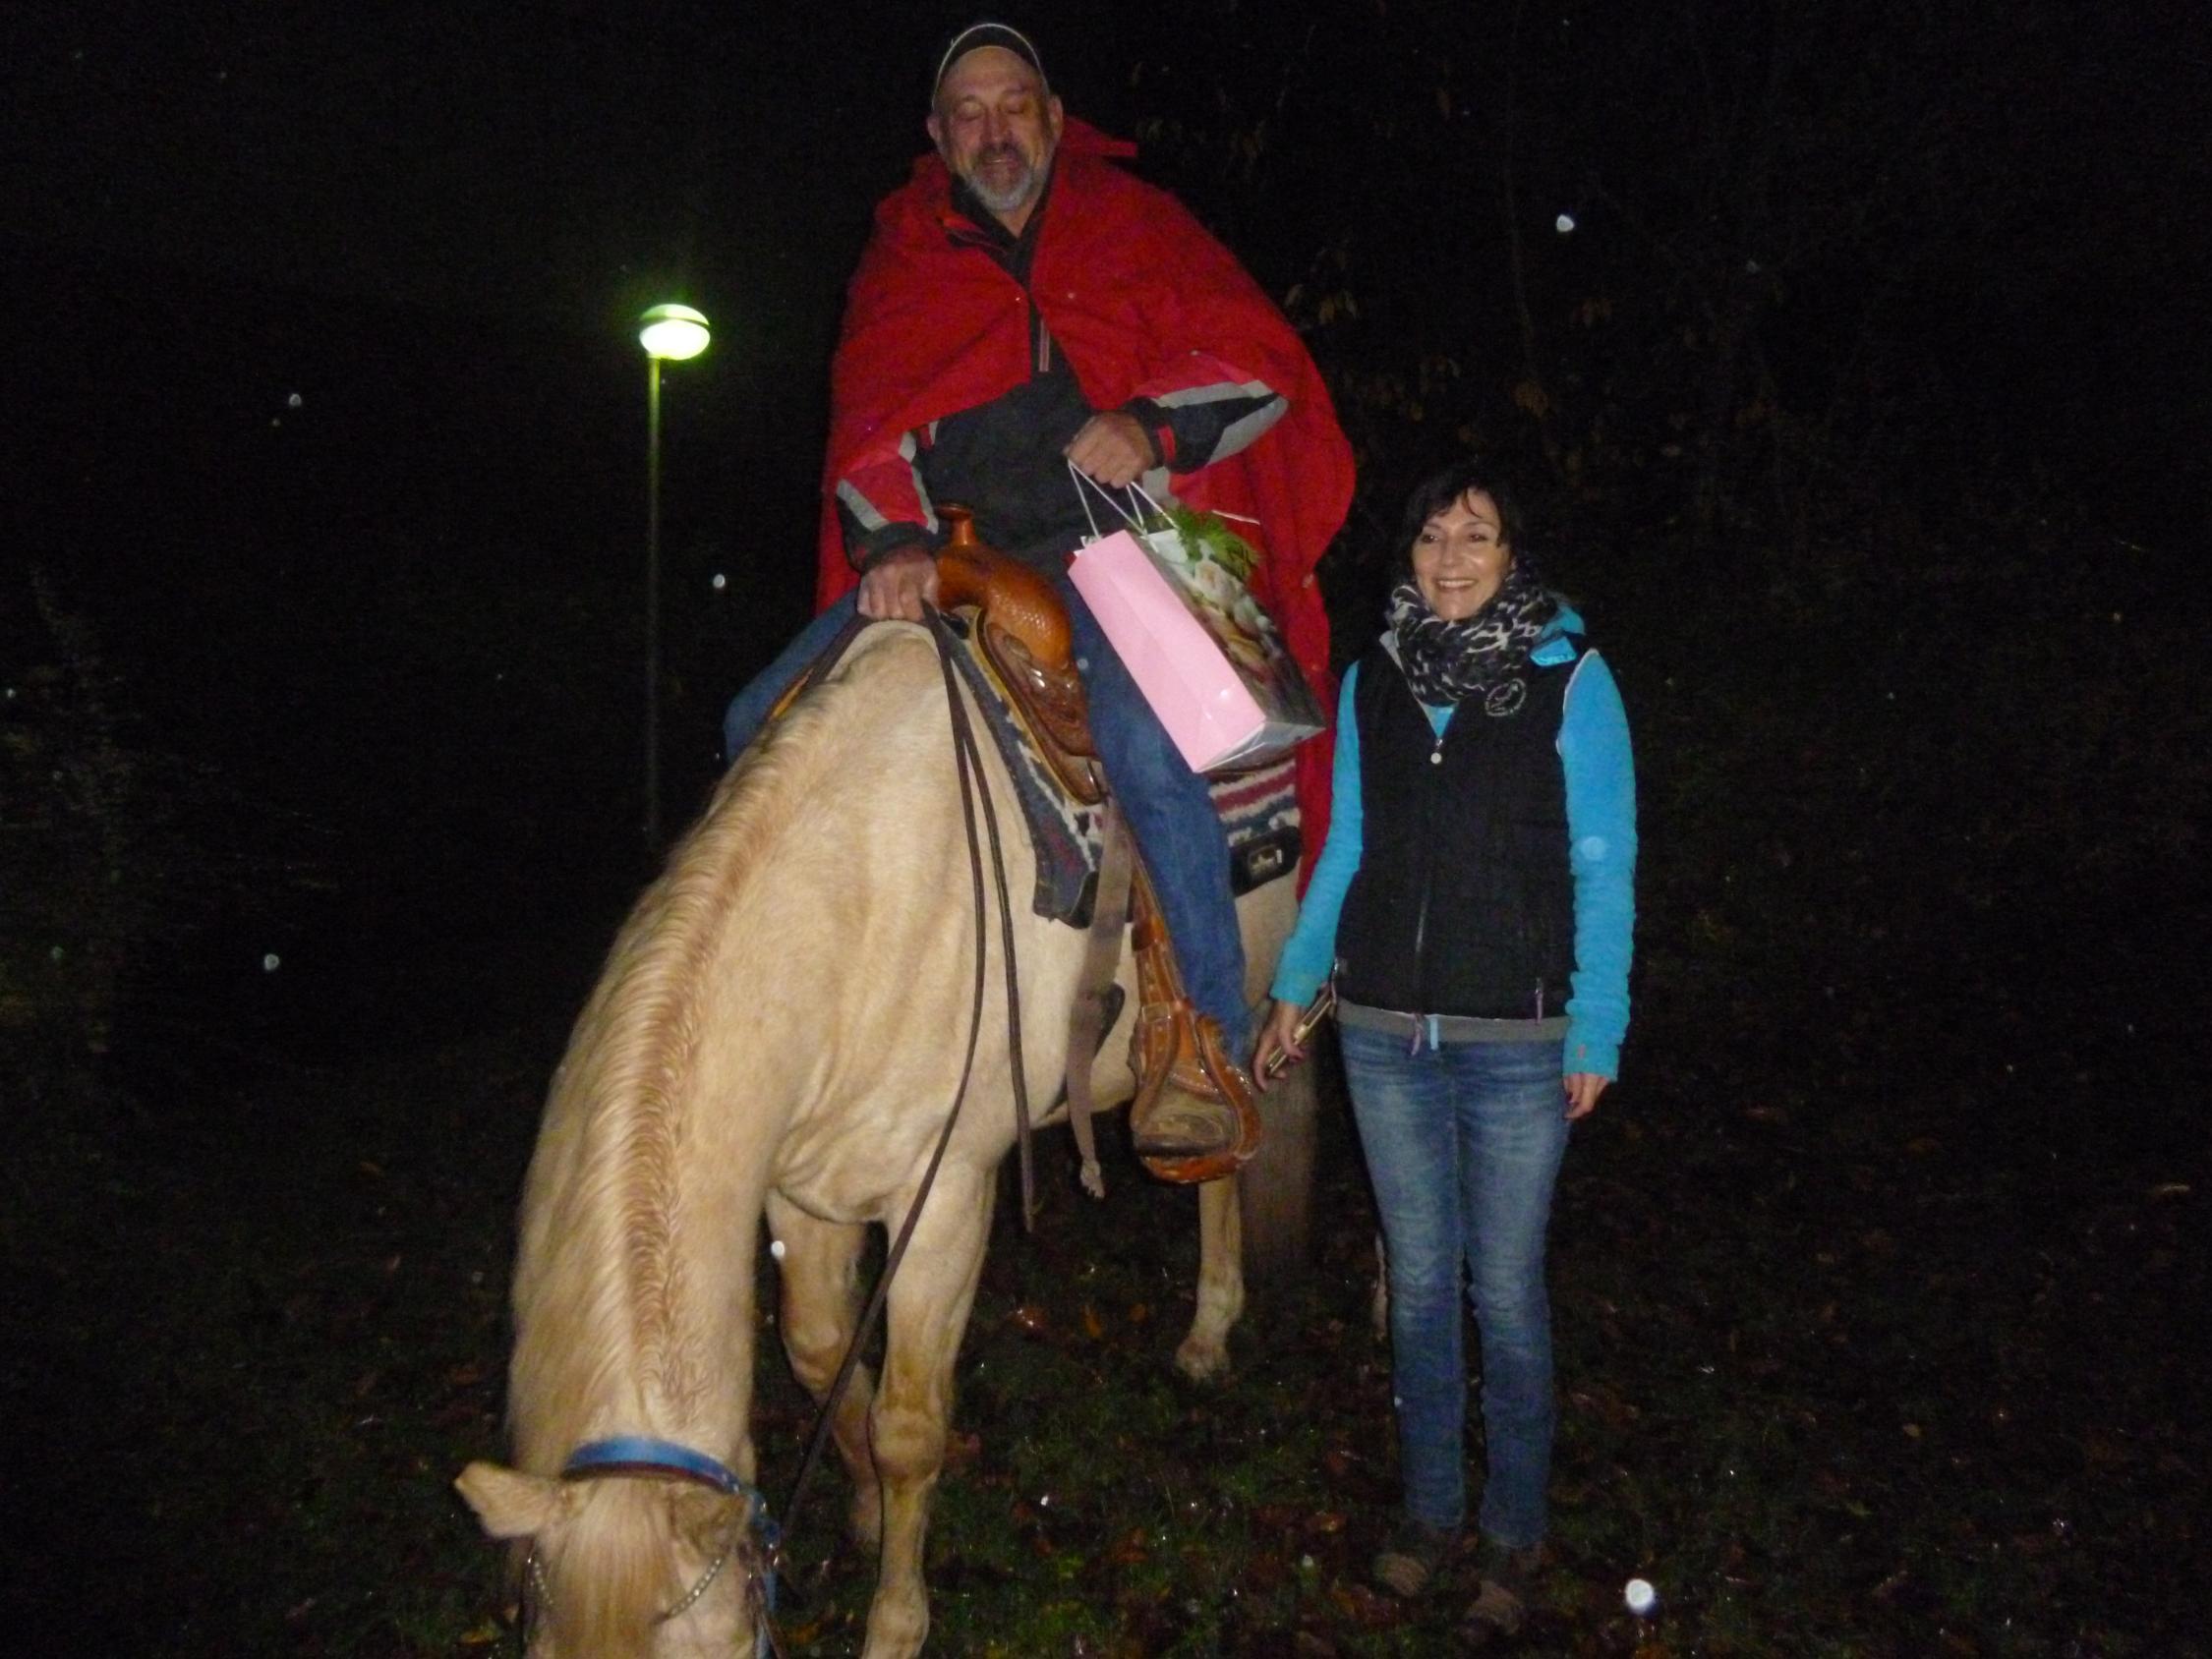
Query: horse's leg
x,y
821,1309
1205,1353
929,1303
1273,1186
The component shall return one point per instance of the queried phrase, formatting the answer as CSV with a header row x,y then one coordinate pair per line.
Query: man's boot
x,y
1195,1117
1191,1114
1177,1125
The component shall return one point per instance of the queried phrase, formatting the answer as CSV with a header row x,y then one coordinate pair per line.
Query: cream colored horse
x,y
779,1033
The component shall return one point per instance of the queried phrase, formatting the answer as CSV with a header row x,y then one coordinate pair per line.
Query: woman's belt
x,y
1438,1029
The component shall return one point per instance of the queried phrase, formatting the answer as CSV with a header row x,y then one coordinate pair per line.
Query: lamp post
x,y
673,333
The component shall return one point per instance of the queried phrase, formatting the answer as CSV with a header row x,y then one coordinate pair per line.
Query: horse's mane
x,y
600,1278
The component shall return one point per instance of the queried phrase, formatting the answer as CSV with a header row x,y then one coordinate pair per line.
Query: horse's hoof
x,y
1202,1362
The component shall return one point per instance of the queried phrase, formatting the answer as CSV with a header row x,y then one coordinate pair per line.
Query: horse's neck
x,y
732,1009
635,1308
635,1291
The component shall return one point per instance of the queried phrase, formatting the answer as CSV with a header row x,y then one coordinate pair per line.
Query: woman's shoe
x,y
1507,1580
1408,1559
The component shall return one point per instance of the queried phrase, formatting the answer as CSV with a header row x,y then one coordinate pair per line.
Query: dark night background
x,y
1864,398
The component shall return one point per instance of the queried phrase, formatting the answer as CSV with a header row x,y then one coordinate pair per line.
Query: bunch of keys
x,y
1308,1022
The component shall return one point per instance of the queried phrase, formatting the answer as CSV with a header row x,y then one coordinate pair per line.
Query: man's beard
x,y
1014,195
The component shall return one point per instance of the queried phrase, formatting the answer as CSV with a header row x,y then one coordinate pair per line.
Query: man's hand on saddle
x,y
1279,1035
1112,449
899,585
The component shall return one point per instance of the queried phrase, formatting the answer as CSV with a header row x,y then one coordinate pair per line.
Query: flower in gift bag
x,y
1208,540
1217,587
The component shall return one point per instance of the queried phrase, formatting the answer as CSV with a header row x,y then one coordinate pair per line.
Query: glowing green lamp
x,y
674,332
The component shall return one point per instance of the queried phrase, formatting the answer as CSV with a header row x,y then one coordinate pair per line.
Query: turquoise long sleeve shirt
x,y
1600,782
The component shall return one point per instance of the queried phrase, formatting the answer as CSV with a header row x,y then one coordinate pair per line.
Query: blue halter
x,y
637,1454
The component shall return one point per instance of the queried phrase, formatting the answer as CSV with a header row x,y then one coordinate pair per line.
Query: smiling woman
x,y
1474,905
1462,556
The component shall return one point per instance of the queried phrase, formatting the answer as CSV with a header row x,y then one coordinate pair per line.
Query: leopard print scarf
x,y
1483,658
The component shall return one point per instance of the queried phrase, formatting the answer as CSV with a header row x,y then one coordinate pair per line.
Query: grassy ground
x,y
1856,1357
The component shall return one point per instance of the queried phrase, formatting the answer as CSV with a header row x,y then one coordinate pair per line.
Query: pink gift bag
x,y
1205,656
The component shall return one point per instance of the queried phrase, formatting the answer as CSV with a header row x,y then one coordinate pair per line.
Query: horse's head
x,y
628,1567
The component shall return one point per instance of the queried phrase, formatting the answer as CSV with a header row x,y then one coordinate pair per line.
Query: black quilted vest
x,y
1464,902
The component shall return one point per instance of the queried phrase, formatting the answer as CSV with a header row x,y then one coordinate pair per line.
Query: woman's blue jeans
x,y
1464,1144
1167,805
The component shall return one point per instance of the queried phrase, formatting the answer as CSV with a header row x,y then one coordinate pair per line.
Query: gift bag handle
x,y
1111,499
1083,478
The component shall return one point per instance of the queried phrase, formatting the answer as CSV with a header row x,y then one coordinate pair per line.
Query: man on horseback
x,y
1024,307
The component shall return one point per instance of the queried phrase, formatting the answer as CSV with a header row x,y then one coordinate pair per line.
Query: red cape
x,y
1128,281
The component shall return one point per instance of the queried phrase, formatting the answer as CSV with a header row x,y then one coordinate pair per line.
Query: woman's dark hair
x,y
1442,489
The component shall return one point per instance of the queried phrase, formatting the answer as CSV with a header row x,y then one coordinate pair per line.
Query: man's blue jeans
x,y
1166,804
1464,1144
